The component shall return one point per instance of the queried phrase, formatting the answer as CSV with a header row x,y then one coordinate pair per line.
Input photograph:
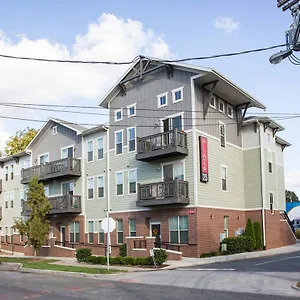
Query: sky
x,y
120,30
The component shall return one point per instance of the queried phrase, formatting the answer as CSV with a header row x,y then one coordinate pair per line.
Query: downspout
x,y
262,170
83,186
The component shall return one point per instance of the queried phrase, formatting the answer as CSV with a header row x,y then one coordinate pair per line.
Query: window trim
x,y
101,175
87,151
136,186
160,96
225,141
173,163
178,229
122,131
87,190
171,117
221,168
231,107
215,102
40,155
135,144
128,110
67,147
177,90
129,227
223,102
98,138
115,112
116,192
54,132
273,210
120,231
270,162
99,228
93,231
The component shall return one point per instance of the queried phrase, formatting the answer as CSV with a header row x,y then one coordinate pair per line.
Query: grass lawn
x,y
31,263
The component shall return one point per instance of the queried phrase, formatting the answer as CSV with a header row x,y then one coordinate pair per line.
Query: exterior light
x,y
278,57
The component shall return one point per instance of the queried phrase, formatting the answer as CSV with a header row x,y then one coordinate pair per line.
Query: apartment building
x,y
178,160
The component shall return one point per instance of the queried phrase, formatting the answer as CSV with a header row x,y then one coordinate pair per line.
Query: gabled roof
x,y
264,120
77,128
94,130
224,88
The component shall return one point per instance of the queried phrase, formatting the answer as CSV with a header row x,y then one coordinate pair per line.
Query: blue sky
x,y
180,28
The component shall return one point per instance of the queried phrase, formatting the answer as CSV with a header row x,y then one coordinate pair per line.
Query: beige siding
x,y
252,175
281,188
250,137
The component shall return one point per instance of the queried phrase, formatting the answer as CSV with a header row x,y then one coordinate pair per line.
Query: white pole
x,y
108,195
108,241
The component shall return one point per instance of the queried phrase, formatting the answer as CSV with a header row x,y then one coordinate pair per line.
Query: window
x,y
269,137
54,130
6,173
132,227
224,178
162,100
90,150
230,111
272,202
118,115
270,159
12,172
131,110
67,152
177,95
25,164
222,106
100,186
120,231
132,181
12,234
179,230
74,232
90,188
46,190
170,124
100,234
226,222
119,142
212,102
100,146
44,158
91,232
173,171
131,139
222,135
119,183
6,204
11,203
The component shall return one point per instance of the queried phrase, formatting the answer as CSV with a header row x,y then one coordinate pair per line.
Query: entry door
x,y
63,235
155,230
168,172
67,152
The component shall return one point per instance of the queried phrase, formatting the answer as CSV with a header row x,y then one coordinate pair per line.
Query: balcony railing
x,y
163,193
58,168
60,205
162,144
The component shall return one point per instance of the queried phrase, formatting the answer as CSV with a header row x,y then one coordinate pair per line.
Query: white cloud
x,y
108,39
4,136
226,24
292,180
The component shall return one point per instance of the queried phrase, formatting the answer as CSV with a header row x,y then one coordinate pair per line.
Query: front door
x,y
63,235
155,231
168,172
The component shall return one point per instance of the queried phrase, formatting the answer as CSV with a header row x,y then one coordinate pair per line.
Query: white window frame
x,y
129,227
178,229
101,175
87,150
223,102
128,110
270,153
135,169
220,124
40,155
173,94
269,137
100,230
171,117
160,96
271,193
176,162
232,113
116,188
116,112
226,230
67,147
87,190
100,137
54,130
226,173
122,131
215,102
128,150
88,222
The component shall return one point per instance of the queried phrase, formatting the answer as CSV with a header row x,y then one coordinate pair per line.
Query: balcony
x,y
66,204
54,169
0,212
163,193
160,145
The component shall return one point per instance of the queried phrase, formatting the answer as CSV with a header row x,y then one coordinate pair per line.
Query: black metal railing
x,y
162,140
167,246
61,167
284,216
140,244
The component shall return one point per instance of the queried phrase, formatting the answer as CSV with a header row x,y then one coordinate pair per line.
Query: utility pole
x,y
292,35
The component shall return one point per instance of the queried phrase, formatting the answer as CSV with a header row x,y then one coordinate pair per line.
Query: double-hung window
x,y
224,178
132,181
226,226
222,129
100,234
90,151
120,231
91,231
90,187
119,183
119,142
270,160
132,227
12,172
100,146
6,173
74,232
271,202
131,132
179,230
100,186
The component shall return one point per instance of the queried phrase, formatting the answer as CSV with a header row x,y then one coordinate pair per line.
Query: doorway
x,y
155,228
63,236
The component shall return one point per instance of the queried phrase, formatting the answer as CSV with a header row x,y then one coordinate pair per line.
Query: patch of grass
x,y
22,260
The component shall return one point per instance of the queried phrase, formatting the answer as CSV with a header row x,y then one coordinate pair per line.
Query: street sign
x,y
108,225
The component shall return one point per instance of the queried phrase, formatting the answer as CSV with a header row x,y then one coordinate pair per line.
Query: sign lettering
x,y
203,159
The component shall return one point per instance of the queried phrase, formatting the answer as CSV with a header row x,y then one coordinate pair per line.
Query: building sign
x,y
203,159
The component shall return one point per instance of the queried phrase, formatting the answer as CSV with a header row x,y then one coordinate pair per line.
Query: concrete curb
x,y
295,287
10,266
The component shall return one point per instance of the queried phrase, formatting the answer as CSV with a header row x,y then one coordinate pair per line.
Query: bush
x,y
225,252
97,260
123,250
249,231
258,236
83,254
297,233
210,254
239,244
160,256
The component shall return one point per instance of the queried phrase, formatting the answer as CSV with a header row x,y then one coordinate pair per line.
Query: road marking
x,y
275,260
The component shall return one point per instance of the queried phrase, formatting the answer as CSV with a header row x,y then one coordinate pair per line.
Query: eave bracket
x,y
206,100
241,117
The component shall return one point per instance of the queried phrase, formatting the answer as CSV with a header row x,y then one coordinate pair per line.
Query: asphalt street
x,y
15,286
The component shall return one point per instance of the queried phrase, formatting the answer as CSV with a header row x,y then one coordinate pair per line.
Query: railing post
x,y
176,187
139,191
175,137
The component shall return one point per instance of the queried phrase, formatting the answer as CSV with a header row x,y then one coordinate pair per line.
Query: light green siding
x,y
270,179
280,188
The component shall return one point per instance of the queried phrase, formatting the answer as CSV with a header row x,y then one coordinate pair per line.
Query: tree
x,y
37,227
290,196
258,236
249,231
1,153
20,141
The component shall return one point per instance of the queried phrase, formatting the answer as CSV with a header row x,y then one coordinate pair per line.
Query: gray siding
x,y
144,94
252,175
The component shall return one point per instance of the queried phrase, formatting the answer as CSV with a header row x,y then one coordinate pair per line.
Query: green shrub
x,y
249,231
83,254
123,250
297,233
210,254
258,236
97,260
225,252
160,256
239,244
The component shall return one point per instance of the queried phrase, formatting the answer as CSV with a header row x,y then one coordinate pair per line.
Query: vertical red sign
x,y
203,159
